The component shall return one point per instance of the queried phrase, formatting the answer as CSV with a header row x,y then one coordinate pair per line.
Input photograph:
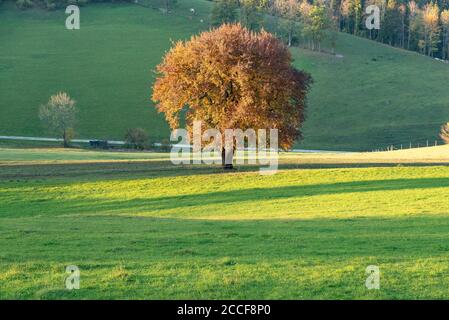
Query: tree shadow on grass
x,y
183,202
162,168
277,193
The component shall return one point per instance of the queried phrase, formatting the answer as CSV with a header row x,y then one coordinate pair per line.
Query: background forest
x,y
421,26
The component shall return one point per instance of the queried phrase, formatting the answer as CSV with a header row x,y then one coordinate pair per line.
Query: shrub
x,y
50,5
137,138
165,145
444,133
23,4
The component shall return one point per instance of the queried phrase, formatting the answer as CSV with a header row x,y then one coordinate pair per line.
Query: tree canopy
x,y
231,77
224,11
59,115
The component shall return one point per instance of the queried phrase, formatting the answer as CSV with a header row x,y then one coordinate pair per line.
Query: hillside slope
x,y
371,97
374,96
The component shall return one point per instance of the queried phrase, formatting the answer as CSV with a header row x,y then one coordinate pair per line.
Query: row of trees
x,y
296,22
420,26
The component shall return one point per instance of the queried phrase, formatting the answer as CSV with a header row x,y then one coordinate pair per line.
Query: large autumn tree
x,y
231,78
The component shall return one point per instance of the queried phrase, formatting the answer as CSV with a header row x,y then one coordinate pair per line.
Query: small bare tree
x,y
59,116
444,133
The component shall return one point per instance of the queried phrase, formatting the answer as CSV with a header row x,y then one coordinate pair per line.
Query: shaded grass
x,y
38,163
170,258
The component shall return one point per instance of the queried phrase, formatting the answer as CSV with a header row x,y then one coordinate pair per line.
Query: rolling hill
x,y
368,96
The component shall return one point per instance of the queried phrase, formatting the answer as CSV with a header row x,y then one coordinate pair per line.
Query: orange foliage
x,y
233,78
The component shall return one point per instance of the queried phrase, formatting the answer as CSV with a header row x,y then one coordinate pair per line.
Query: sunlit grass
x,y
302,233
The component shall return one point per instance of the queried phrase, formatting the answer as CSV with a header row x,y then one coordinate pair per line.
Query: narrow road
x,y
118,142
55,139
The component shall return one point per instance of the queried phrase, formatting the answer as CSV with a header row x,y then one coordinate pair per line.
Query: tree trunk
x,y
226,166
442,47
403,31
408,39
64,136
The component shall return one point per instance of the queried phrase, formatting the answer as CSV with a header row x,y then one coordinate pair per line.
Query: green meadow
x,y
139,227
145,229
368,97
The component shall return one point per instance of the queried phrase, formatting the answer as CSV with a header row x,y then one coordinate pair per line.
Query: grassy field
x,y
138,227
371,97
